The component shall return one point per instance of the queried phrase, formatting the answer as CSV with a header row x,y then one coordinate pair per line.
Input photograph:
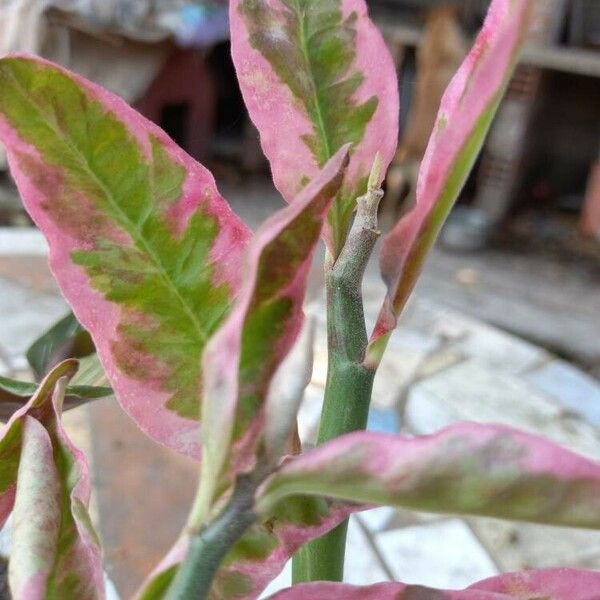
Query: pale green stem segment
x,y
349,380
208,548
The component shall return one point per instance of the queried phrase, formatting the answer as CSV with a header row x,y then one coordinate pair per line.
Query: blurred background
x,y
505,318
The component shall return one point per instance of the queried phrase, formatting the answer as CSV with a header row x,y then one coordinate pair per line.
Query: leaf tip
x,y
375,174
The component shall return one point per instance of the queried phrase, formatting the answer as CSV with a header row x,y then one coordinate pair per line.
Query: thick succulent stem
x,y
349,379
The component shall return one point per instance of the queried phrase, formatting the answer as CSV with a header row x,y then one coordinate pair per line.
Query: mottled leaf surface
x,y
261,553
144,248
467,469
242,357
315,75
44,481
550,584
466,112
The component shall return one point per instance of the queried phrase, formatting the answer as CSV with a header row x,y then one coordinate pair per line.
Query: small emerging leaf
x,y
315,75
465,469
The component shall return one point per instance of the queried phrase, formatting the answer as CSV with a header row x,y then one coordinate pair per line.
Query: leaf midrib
x,y
136,235
305,54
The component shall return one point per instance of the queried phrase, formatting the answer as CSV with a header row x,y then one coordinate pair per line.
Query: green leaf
x,y
65,339
15,394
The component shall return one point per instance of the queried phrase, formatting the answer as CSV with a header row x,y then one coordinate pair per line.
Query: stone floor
x,y
442,366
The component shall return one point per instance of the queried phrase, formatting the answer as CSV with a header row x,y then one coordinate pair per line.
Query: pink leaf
x,y
466,112
465,469
551,584
546,584
144,248
316,75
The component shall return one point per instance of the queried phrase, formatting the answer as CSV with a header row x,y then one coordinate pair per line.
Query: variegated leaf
x,y
260,554
44,481
467,469
243,355
315,75
466,112
144,248
551,584
11,437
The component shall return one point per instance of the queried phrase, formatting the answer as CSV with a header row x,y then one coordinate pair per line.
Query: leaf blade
x,y
143,246
549,584
14,394
65,339
466,112
242,357
306,68
44,480
469,469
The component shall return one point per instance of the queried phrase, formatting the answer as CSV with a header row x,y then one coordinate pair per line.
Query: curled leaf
x,y
44,480
285,396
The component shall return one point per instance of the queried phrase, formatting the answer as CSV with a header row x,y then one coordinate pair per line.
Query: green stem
x,y
208,548
349,380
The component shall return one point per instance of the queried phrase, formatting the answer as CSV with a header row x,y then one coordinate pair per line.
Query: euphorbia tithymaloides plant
x,y
193,319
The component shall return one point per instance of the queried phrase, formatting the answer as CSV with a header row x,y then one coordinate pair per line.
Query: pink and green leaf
x,y
260,554
11,436
44,481
242,357
468,469
316,75
550,584
144,248
466,113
